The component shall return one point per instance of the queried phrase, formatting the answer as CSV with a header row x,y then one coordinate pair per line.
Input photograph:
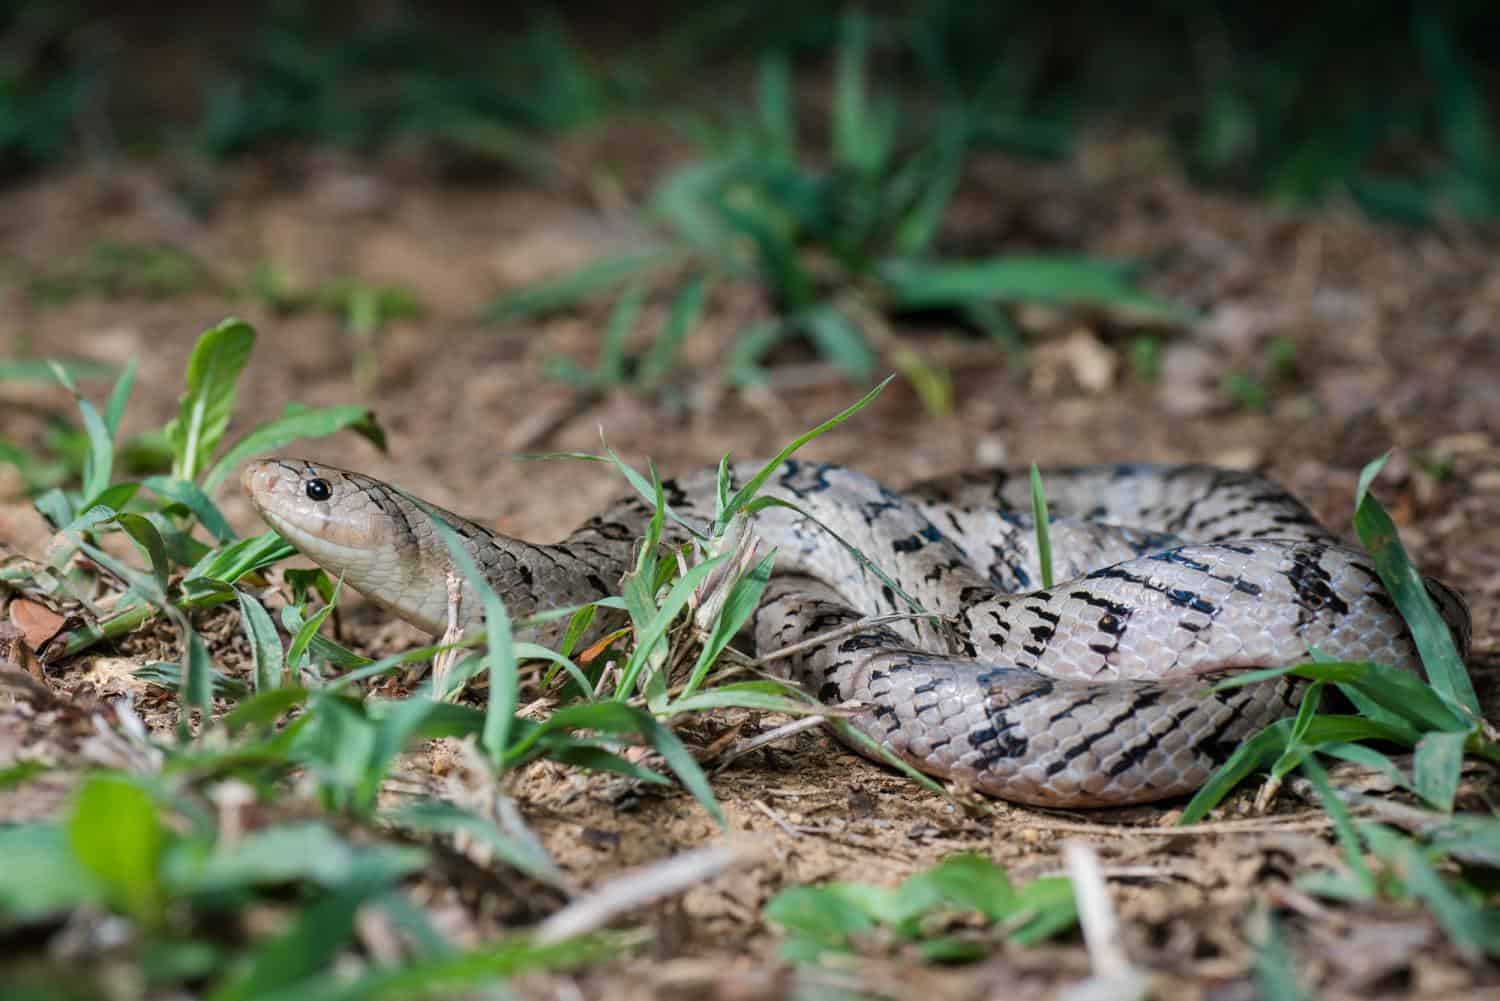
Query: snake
x,y
1095,691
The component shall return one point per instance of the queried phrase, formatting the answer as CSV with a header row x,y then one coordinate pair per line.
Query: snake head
x,y
376,538
321,510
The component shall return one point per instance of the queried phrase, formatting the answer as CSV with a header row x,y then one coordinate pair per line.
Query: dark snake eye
x,y
319,490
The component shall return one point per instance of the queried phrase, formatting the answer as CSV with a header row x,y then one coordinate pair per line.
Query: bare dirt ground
x,y
1396,343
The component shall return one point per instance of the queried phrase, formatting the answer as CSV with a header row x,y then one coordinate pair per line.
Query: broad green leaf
x,y
555,294
311,942
42,875
266,656
1436,767
264,708
197,671
192,497
229,563
1044,907
972,882
285,853
212,379
1445,667
921,284
114,411
295,424
839,340
116,835
520,849
100,461
819,919
139,528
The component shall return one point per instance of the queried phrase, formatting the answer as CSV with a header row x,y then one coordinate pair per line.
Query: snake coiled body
x,y
1095,691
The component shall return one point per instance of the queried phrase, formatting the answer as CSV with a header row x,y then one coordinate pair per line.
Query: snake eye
x,y
318,490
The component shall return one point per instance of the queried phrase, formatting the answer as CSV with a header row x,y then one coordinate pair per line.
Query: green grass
x,y
960,910
831,239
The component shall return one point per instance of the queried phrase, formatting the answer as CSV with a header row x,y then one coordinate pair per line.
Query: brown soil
x,y
1396,345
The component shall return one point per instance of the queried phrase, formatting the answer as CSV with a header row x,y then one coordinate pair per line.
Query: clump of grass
x,y
931,913
840,241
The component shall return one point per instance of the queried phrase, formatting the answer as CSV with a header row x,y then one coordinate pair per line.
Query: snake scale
x,y
1092,692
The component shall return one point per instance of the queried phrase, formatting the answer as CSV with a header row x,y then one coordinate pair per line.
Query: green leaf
x,y
264,708
192,497
556,294
266,656
42,875
100,461
1440,656
212,378
921,284
286,853
1467,922
139,528
519,849
743,599
774,102
686,307
968,881
197,671
819,918
229,563
839,340
118,397
295,424
46,370
296,651
1044,907
1436,767
312,941
116,835
854,147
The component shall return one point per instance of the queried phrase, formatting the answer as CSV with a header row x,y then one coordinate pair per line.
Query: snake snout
x,y
259,480
1454,610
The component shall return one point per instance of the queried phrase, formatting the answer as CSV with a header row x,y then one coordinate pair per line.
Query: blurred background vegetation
x,y
1387,105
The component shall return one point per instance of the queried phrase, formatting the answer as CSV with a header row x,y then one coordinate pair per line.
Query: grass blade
x,y
750,489
500,655
1440,656
1043,532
